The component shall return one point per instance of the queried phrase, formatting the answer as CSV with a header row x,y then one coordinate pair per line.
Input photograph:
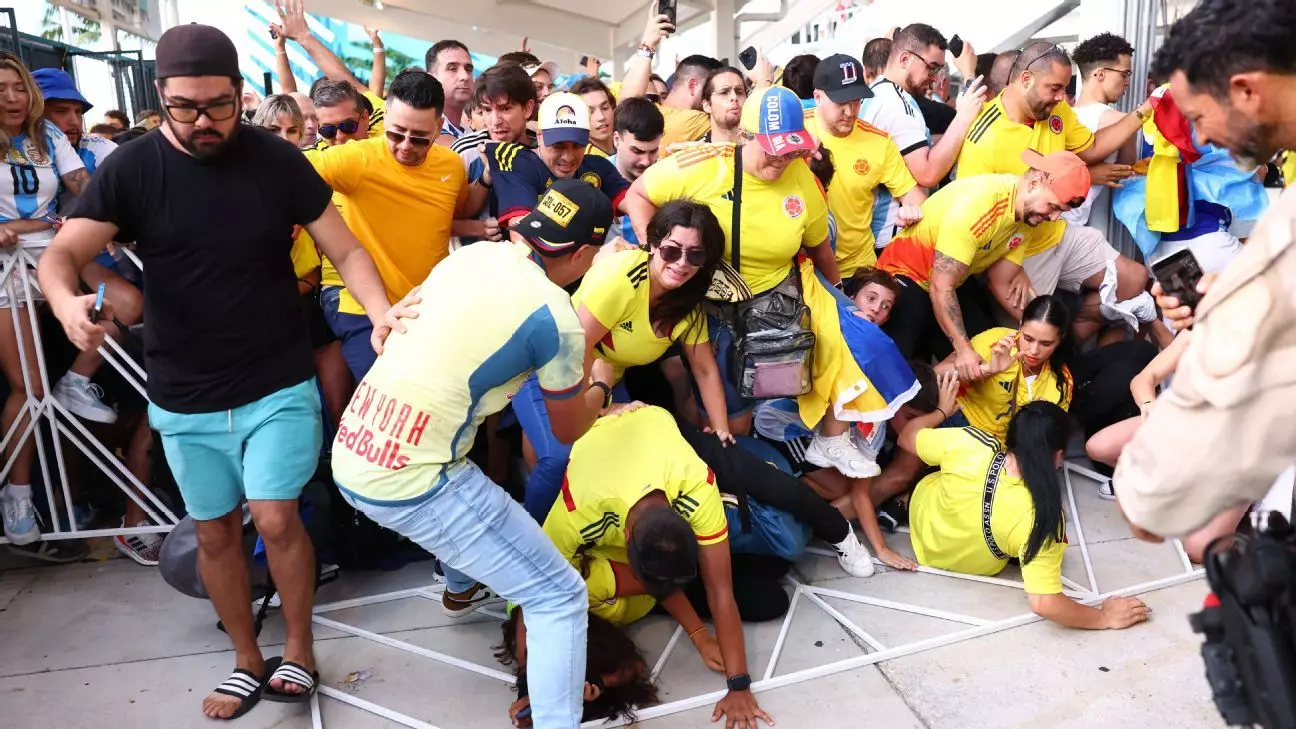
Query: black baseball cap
x,y
663,551
196,50
841,78
571,214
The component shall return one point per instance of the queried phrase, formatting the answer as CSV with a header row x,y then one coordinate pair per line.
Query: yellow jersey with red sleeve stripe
x,y
616,463
866,159
601,588
990,403
615,290
778,217
995,142
972,220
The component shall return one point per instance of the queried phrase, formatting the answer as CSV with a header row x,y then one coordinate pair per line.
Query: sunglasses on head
x,y
328,131
695,257
654,98
398,137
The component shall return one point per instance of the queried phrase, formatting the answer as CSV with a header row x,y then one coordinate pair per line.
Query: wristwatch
x,y
741,682
607,392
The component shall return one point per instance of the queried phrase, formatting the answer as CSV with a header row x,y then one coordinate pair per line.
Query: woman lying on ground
x,y
987,505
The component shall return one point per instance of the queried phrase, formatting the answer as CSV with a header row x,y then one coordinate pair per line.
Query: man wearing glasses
x,y
231,376
401,195
917,53
1032,113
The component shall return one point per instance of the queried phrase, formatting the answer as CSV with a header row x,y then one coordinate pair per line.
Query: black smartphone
x,y
748,57
956,46
584,60
667,7
274,34
1178,275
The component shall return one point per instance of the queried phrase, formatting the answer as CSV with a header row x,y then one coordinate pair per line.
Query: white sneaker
x,y
838,452
853,557
19,518
1106,491
145,549
83,400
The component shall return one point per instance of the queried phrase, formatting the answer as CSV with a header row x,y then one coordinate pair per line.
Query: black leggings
x,y
1102,379
739,471
913,326
757,589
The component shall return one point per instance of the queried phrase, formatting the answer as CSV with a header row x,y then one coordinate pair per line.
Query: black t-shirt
x,y
222,321
938,115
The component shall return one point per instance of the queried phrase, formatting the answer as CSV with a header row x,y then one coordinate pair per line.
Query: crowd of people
x,y
843,291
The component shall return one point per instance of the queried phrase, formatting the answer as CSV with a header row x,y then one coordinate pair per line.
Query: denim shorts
x,y
265,450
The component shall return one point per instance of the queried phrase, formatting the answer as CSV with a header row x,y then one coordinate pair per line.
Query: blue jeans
x,y
473,525
545,481
352,330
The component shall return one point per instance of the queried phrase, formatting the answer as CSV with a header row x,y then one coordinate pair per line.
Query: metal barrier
x,y
17,270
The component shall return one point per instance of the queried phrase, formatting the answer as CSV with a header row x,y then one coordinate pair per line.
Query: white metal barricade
x,y
18,271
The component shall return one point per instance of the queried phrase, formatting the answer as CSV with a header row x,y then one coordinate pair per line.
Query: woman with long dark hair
x,y
988,505
633,306
1024,365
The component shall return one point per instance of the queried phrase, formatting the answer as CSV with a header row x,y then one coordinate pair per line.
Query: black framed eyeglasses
x,y
349,126
1126,73
188,114
932,66
695,257
398,137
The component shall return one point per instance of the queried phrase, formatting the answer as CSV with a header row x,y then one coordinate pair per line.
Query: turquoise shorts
x,y
265,450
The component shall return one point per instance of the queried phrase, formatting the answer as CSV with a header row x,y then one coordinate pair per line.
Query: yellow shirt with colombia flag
x,y
865,160
945,512
995,142
615,290
402,215
972,220
778,217
990,403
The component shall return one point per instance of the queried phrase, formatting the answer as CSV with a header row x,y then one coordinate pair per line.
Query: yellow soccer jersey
x,y
305,256
945,512
994,145
778,217
971,220
615,464
865,160
682,125
616,292
990,403
601,587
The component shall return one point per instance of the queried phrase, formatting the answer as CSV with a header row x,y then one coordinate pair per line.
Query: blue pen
x,y
97,314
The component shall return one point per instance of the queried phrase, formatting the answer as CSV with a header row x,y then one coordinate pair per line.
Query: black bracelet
x,y
941,410
607,392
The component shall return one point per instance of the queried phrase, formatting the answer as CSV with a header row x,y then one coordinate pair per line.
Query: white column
x,y
726,30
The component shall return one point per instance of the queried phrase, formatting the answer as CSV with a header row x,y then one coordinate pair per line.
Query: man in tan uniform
x,y
1227,427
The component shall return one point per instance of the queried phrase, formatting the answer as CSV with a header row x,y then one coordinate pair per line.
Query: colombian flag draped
x,y
1178,174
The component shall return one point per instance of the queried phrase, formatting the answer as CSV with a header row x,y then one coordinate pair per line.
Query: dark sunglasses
x,y
398,137
654,98
328,131
189,114
695,257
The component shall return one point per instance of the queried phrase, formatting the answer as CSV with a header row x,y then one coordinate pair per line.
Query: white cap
x,y
564,117
549,66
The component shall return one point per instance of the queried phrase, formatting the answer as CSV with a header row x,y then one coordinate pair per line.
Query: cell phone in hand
x,y
97,312
274,34
956,46
748,57
667,8
584,61
1178,275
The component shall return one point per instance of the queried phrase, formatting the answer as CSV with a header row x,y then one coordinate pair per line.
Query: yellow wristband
x,y
699,630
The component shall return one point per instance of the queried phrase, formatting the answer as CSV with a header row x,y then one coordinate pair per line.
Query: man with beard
x,y
724,94
867,158
682,105
449,62
637,133
972,226
1222,433
917,53
231,379
1032,113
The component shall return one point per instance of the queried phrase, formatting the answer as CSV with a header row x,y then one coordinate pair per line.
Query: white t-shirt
x,y
1089,115
894,111
30,189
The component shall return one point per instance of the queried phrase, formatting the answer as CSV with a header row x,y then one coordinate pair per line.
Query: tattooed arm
x,y
947,275
76,181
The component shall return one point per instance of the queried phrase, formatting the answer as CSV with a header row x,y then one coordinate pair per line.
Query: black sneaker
x,y
892,515
58,551
459,604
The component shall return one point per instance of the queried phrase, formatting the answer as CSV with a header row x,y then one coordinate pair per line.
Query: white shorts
x,y
15,276
1213,251
1082,253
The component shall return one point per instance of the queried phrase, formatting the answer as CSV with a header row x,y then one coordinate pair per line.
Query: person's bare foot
x,y
306,660
222,706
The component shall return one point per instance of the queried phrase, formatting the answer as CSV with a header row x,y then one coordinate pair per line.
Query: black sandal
x,y
245,687
289,672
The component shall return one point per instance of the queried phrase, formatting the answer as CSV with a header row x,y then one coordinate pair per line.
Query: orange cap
x,y
1068,174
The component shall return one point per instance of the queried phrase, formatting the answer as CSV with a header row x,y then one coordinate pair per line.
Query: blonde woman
x,y
37,157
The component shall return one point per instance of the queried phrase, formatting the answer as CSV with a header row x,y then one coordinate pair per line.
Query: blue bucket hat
x,y
56,84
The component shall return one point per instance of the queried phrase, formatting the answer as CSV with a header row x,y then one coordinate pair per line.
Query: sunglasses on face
x,y
189,114
695,257
328,131
398,137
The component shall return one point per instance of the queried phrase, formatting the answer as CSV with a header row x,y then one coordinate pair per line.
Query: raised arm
x,y
292,15
378,74
283,68
639,71
930,165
